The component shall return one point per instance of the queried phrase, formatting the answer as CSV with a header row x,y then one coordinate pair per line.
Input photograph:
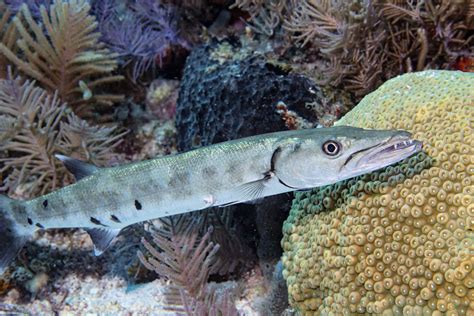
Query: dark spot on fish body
x,y
39,225
97,222
231,169
180,179
58,203
115,218
45,203
209,172
30,221
234,171
18,208
138,205
173,183
233,174
110,198
144,188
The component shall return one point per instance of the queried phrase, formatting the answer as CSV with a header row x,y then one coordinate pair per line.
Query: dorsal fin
x,y
78,168
102,238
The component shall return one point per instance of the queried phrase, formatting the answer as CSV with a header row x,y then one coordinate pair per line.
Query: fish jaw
x,y
391,151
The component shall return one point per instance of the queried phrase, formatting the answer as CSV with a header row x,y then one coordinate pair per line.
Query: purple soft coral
x,y
141,34
159,18
33,5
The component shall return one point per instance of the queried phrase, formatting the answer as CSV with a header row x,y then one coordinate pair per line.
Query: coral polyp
x,y
398,240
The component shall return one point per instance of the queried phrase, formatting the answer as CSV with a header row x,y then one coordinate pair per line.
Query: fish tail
x,y
12,235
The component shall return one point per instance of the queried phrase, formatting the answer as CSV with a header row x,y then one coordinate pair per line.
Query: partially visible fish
x,y
105,200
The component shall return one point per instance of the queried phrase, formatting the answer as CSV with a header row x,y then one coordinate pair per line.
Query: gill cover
x,y
301,163
326,156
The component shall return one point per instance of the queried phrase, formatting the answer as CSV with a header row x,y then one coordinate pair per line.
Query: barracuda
x,y
105,200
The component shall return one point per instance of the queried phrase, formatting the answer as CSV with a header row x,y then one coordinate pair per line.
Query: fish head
x,y
325,156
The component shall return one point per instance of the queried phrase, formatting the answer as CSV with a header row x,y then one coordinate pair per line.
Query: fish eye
x,y
331,148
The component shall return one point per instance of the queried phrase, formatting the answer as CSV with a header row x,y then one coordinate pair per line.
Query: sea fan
x,y
63,53
33,127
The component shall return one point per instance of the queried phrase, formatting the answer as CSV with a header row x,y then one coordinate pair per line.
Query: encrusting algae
x,y
399,240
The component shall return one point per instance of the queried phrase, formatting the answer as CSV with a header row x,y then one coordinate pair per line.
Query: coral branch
x,y
7,36
34,127
182,256
411,35
62,51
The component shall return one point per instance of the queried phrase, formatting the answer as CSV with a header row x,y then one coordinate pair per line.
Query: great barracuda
x,y
105,200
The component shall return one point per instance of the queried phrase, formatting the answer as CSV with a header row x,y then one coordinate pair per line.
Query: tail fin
x,y
11,240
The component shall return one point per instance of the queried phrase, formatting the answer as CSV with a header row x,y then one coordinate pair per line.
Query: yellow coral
x,y
400,240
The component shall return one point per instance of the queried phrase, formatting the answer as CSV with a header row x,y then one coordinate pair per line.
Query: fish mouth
x,y
389,152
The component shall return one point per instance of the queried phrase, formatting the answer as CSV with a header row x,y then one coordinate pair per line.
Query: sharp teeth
x,y
403,144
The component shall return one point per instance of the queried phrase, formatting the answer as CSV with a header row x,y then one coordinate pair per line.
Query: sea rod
x,y
104,200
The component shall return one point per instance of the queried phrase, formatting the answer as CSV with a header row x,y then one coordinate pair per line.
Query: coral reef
x,y
161,98
360,44
34,126
398,240
64,55
77,51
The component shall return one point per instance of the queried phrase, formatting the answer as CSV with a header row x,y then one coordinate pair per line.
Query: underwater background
x,y
115,81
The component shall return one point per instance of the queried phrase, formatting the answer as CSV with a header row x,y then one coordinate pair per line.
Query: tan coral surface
x,y
400,240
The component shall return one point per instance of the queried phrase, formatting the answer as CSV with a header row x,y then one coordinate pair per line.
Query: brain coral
x,y
400,240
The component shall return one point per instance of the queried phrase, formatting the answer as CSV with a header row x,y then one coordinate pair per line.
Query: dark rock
x,y
269,217
226,94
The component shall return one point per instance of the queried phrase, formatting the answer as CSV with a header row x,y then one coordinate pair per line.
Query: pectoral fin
x,y
250,191
102,238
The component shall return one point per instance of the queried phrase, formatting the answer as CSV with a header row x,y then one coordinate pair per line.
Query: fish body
x,y
105,200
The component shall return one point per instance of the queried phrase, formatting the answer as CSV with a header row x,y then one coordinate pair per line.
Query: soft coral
x,y
142,34
33,5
